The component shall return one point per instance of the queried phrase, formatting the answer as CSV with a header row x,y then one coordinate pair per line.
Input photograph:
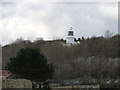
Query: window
x,y
70,33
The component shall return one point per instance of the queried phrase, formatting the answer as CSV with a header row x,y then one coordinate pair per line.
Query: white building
x,y
70,37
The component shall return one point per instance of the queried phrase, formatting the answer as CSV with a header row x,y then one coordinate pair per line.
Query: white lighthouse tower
x,y
70,37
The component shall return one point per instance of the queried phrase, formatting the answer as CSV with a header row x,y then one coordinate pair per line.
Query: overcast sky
x,y
33,19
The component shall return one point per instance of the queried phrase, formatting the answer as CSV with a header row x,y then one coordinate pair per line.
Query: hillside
x,y
93,55
57,52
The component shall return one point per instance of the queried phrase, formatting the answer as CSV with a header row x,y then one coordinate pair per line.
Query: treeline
x,y
57,51
93,58
90,47
89,71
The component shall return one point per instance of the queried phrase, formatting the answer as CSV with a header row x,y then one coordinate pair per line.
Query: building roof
x,y
4,72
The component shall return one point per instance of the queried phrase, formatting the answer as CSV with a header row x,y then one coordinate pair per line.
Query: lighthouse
x,y
70,37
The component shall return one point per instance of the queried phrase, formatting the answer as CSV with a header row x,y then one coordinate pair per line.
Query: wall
x,y
16,83
80,87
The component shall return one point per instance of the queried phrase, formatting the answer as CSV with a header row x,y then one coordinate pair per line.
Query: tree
x,y
30,63
108,34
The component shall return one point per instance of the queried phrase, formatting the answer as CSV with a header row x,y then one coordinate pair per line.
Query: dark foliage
x,y
30,63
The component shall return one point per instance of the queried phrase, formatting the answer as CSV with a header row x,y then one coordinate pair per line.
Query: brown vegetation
x,y
95,57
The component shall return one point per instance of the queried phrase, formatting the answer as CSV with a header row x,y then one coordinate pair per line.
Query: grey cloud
x,y
50,20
